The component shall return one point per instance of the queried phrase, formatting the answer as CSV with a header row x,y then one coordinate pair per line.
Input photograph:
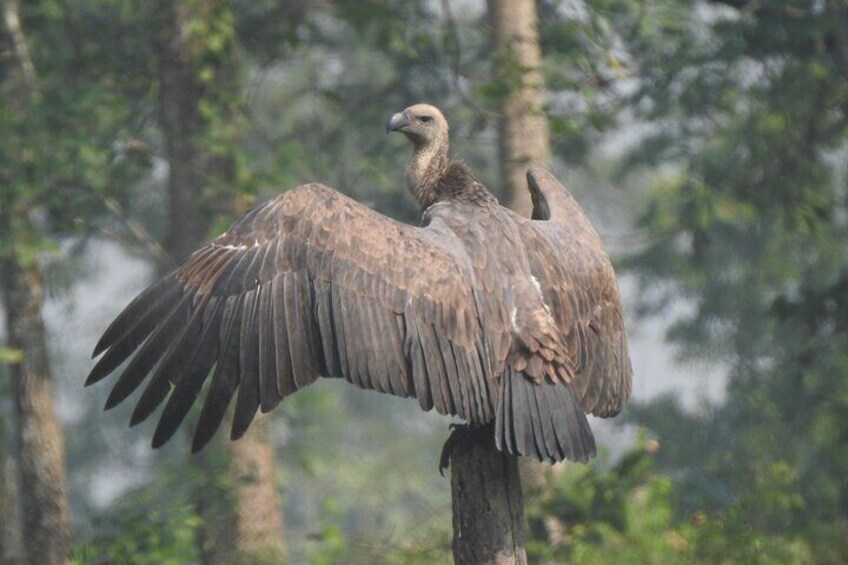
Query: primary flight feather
x,y
480,312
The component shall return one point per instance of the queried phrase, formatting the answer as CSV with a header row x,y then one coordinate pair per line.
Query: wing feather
x,y
297,347
138,309
359,335
520,413
326,327
269,394
578,283
150,353
285,373
135,331
391,341
340,334
435,369
189,383
371,334
174,362
225,378
247,399
309,283
459,400
423,385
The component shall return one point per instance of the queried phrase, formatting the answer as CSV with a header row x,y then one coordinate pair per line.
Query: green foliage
x,y
75,142
626,515
10,356
745,110
587,515
138,535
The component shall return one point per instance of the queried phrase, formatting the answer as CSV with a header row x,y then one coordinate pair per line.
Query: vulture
x,y
481,313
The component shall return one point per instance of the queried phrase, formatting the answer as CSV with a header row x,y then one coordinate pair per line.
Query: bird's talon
x,y
457,432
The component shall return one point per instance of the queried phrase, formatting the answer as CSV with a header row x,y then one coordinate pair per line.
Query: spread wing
x,y
578,284
311,283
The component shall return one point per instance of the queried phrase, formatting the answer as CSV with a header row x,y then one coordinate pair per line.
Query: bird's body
x,y
479,312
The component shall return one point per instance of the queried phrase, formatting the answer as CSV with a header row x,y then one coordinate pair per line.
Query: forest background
x,y
708,141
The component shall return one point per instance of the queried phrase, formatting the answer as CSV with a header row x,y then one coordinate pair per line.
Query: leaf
x,y
11,356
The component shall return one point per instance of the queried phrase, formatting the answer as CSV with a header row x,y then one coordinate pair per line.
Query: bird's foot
x,y
461,434
450,444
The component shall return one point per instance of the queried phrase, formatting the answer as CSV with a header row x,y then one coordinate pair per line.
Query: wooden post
x,y
488,507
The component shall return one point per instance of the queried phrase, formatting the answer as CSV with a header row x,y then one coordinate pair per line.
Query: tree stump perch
x,y
488,506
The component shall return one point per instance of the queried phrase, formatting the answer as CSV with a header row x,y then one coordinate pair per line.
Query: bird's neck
x,y
426,165
431,177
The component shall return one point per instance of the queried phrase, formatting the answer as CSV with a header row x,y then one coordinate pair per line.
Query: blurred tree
x,y
46,527
10,531
74,154
198,100
745,108
523,139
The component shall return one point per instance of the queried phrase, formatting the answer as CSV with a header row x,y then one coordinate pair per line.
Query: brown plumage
x,y
479,313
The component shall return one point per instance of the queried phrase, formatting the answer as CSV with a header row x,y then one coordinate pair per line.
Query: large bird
x,y
480,313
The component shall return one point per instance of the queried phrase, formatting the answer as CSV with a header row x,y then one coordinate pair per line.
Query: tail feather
x,y
541,419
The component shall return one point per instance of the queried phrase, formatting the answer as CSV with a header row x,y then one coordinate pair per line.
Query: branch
x,y
20,50
140,239
741,5
139,234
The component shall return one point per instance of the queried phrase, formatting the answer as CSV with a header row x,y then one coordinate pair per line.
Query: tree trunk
x,y
241,511
11,551
524,135
180,93
240,529
44,506
259,526
45,518
488,508
6,500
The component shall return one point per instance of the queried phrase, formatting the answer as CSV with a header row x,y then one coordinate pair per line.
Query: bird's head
x,y
423,124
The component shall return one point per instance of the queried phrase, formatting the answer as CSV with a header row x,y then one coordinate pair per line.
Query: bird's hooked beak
x,y
397,122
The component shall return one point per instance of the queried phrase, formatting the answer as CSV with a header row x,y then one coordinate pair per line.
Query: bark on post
x,y
45,518
523,127
488,507
244,524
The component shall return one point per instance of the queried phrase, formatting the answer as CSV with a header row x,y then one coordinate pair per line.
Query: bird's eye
x,y
425,119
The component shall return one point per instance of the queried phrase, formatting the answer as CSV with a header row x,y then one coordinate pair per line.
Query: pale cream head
x,y
423,124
